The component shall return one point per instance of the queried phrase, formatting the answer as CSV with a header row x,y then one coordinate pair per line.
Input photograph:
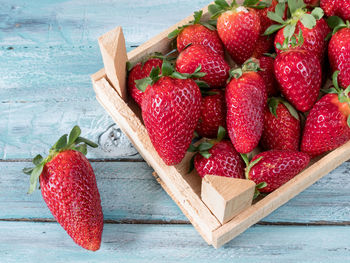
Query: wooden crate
x,y
219,208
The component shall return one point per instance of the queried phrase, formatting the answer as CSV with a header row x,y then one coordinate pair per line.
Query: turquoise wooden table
x,y
48,50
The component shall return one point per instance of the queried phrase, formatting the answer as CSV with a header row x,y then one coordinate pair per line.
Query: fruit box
x,y
219,208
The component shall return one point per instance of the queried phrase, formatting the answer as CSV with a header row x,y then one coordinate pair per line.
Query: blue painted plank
x,y
129,192
47,242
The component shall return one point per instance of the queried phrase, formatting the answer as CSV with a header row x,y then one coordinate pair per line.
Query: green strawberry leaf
x,y
74,134
178,75
205,146
288,31
37,160
28,170
275,17
209,26
308,21
335,80
192,148
346,91
291,109
236,73
294,5
317,13
272,29
273,103
191,168
331,90
197,17
348,121
261,185
221,133
214,10
335,21
222,3
167,68
203,85
279,9
34,178
205,154
129,66
82,148
88,142
61,143
245,159
142,84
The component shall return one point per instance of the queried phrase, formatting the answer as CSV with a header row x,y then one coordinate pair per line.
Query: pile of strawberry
x,y
200,91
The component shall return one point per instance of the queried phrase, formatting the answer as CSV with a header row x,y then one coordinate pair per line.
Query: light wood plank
x,y
47,242
129,192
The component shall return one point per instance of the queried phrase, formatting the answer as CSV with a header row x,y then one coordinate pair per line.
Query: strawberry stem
x,y
65,142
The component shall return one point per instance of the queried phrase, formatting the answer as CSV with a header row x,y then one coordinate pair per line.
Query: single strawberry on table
x,y
217,157
281,126
68,186
311,25
198,33
140,71
245,100
275,168
213,64
238,28
170,110
339,49
213,114
299,75
328,124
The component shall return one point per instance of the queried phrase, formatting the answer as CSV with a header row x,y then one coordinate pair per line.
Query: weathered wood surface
x,y
129,192
175,243
48,49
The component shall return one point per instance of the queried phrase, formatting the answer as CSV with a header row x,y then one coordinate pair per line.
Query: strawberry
x,y
329,6
276,167
217,157
238,28
298,73
327,125
312,26
213,114
312,3
170,111
198,33
339,49
69,189
266,64
264,43
214,65
140,71
339,8
343,9
281,126
245,99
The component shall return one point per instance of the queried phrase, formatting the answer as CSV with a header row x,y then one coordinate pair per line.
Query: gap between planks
x,y
177,222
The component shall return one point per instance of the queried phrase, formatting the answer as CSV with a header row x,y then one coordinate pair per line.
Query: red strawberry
x,y
170,111
223,160
329,6
266,64
312,3
281,126
140,71
238,28
343,9
275,168
198,33
339,51
213,114
314,39
298,73
69,189
214,65
245,99
327,125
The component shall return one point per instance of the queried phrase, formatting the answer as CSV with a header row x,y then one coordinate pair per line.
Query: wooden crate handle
x,y
113,50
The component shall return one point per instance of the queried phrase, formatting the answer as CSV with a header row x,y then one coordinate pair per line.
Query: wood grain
x,y
174,243
130,192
